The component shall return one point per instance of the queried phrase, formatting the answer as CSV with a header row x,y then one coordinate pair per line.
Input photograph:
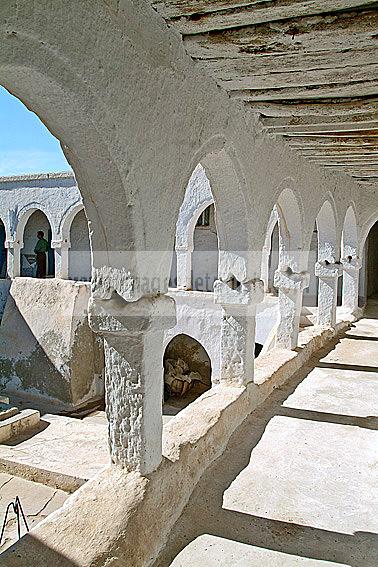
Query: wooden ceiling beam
x,y
203,21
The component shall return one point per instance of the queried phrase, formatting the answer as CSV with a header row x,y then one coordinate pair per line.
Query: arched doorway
x,y
79,257
37,222
187,371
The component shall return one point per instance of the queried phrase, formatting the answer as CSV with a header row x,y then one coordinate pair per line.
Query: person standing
x,y
40,250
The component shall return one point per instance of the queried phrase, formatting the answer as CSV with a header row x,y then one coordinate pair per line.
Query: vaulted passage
x,y
241,137
296,482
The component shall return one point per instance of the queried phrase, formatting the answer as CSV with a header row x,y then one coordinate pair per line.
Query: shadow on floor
x,y
205,514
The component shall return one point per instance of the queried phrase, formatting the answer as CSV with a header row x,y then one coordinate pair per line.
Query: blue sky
x,y
26,146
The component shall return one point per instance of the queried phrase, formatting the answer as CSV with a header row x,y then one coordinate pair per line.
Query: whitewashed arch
x,y
67,220
198,196
290,224
291,277
24,215
350,233
328,246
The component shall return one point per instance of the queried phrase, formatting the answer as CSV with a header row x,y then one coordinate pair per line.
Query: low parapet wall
x,y
121,518
47,349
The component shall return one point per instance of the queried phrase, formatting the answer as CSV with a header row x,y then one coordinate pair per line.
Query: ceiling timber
x,y
308,68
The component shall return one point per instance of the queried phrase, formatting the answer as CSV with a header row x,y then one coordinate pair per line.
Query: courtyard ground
x,y
297,484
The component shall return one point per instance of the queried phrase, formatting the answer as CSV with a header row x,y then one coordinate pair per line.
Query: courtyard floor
x,y
298,483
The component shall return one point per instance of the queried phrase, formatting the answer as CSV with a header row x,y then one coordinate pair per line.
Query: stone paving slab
x,y
65,454
37,501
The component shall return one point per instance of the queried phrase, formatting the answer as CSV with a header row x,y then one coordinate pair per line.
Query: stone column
x,y
133,339
238,330
184,268
328,274
14,248
265,268
290,287
351,270
61,248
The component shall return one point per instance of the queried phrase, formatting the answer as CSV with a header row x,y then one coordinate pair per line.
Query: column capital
x,y
287,280
116,316
63,243
13,244
325,269
351,263
182,248
248,293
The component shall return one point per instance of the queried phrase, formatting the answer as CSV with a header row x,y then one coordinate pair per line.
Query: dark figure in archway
x,y
41,250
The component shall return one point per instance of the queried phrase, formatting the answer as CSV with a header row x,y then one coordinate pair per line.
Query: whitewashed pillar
x,y
184,268
133,338
61,251
265,267
290,286
238,330
328,274
351,270
14,248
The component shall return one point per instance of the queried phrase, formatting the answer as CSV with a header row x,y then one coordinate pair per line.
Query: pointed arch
x,y
328,247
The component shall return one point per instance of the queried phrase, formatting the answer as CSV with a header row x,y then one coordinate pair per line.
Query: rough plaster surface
x,y
47,348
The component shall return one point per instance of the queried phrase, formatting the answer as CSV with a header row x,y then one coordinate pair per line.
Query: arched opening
x,y
291,277
206,251
325,267
3,251
195,264
79,257
37,256
187,371
372,264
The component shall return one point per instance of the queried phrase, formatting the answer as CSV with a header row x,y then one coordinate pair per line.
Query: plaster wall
x,y
200,318
79,256
205,255
47,349
54,194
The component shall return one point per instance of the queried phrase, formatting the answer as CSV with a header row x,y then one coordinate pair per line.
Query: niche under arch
x,y
187,369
